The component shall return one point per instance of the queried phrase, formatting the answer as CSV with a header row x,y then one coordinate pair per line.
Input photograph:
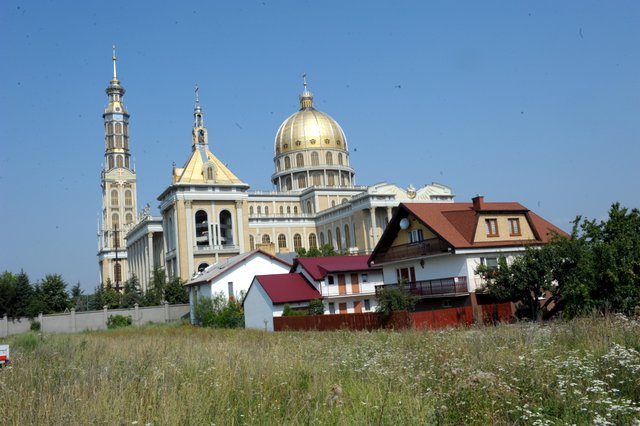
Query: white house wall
x,y
258,309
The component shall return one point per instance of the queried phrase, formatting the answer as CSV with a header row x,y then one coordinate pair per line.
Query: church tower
x,y
118,182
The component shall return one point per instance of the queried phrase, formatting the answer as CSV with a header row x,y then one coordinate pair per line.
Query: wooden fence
x,y
439,318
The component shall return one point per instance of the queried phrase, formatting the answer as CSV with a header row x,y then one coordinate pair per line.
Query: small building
x,y
232,277
434,249
268,295
347,283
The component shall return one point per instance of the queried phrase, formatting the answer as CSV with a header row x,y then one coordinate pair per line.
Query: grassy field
x,y
585,371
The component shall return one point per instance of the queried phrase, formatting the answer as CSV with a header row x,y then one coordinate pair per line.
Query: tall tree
x,y
7,293
55,296
23,295
175,292
131,294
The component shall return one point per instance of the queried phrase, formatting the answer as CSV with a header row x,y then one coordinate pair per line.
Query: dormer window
x,y
415,236
491,226
514,227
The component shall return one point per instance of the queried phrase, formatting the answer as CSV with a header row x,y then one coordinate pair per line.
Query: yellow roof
x,y
195,169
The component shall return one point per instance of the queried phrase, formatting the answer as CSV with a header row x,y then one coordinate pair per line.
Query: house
x,y
232,277
434,249
347,283
268,295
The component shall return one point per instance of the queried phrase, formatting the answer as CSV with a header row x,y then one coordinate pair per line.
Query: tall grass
x,y
581,372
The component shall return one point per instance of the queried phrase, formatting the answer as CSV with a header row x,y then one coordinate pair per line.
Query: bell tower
x,y
118,183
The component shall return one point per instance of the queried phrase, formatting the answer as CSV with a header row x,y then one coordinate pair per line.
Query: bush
x,y
316,307
394,298
35,326
218,312
288,311
117,321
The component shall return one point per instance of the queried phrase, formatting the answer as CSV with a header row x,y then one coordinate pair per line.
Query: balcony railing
x,y
439,287
218,248
408,251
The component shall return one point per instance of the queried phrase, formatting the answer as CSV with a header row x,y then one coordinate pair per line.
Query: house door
x,y
355,286
357,307
342,287
343,308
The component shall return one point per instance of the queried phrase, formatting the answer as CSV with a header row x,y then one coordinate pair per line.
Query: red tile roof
x,y
285,288
319,267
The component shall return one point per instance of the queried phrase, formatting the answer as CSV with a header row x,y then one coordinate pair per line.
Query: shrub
x,y
218,312
288,311
35,326
316,307
117,321
394,298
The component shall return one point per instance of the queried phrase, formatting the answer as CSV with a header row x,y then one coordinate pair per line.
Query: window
x,y
287,163
129,218
115,220
278,165
329,238
309,209
491,226
119,162
226,228
329,159
295,209
302,181
415,236
202,228
514,227
321,239
315,158
367,304
347,237
365,278
202,266
287,184
281,209
114,197
251,210
128,198
490,262
331,179
117,272
259,210
266,239
288,209
110,162
252,242
297,242
266,210
338,239
406,274
317,179
282,241
340,159
330,280
313,243
210,173
332,308
299,160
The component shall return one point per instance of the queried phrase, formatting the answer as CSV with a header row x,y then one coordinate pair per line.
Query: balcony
x,y
226,248
432,288
412,250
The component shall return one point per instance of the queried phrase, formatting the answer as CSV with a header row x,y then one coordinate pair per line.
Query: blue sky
x,y
536,102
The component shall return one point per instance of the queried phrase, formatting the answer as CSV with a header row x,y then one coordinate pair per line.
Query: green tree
x,y
394,298
175,292
325,250
37,305
218,312
131,293
96,301
7,293
110,297
316,307
54,293
23,295
155,291
76,296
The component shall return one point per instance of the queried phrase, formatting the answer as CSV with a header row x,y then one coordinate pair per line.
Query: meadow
x,y
584,371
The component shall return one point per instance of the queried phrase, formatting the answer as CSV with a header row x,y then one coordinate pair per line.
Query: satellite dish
x,y
404,223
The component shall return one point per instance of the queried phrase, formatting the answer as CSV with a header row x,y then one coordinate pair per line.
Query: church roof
x,y
195,169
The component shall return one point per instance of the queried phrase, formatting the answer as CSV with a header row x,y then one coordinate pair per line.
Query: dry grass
x,y
581,372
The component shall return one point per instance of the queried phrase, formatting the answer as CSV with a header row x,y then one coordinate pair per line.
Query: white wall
x,y
258,309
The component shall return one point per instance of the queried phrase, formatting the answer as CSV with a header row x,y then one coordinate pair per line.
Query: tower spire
x,y
113,57
306,97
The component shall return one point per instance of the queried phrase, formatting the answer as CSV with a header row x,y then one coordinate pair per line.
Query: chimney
x,y
478,202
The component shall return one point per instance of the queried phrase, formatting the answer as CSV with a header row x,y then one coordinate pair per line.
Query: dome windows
x,y
298,143
313,141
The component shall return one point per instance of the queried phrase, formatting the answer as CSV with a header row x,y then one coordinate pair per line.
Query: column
x,y
151,265
372,236
240,226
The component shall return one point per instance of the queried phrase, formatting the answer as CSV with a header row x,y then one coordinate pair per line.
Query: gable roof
x,y
319,267
285,288
192,171
211,272
455,224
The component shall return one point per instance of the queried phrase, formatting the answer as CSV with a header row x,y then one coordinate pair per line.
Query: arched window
x,y
313,242
110,162
129,218
118,127
340,159
287,183
259,210
118,141
202,228
128,198
251,210
302,181
297,242
315,158
309,208
317,179
266,239
282,241
332,179
119,161
333,203
226,228
329,238
278,164
210,173
345,179
114,197
338,239
202,266
115,220
281,209
288,209
252,242
126,162
344,201
299,160
321,239
266,210
117,272
287,163
347,237
295,209
329,159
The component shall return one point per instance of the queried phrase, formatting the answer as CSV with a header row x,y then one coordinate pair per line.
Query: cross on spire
x,y
113,57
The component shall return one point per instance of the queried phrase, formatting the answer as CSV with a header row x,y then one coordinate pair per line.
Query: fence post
x,y
136,314
166,311
73,320
105,310
5,326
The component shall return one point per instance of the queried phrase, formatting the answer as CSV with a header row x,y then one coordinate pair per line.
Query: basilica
x,y
208,214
